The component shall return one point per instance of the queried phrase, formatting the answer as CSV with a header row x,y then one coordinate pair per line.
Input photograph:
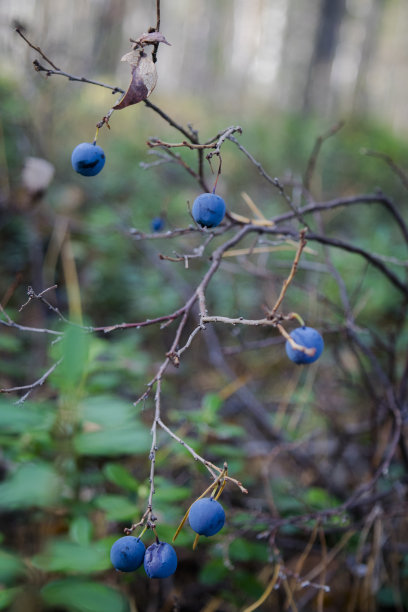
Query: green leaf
x,y
31,485
131,440
120,476
10,566
7,596
65,556
84,596
29,417
245,550
244,581
117,507
74,348
213,572
10,343
107,411
210,406
319,498
81,530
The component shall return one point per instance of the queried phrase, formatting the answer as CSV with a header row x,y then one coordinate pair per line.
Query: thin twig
x,y
29,388
390,162
315,153
19,32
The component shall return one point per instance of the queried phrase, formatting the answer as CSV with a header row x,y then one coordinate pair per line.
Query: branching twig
x,y
311,164
32,386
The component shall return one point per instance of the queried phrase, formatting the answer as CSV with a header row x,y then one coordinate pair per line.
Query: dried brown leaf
x,y
152,38
143,81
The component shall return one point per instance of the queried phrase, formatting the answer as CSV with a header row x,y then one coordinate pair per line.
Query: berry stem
x,y
295,315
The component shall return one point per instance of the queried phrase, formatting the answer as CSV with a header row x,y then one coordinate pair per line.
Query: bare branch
x,y
32,386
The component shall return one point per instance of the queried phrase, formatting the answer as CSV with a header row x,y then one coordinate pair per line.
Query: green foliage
x,y
11,567
83,596
31,485
70,557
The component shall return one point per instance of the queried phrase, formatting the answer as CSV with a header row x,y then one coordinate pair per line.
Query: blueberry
x,y
127,554
160,560
308,337
157,224
208,209
88,159
206,516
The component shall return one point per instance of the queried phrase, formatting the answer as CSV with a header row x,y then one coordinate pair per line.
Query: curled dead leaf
x,y
150,38
143,80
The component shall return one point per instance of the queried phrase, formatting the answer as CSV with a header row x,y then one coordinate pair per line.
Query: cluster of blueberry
x,y
206,517
208,210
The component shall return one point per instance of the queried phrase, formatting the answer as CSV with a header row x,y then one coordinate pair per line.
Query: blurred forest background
x,y
74,459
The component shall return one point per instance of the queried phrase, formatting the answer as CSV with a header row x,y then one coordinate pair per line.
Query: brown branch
x,y
171,121
32,386
273,181
302,244
10,323
311,165
359,199
19,32
71,77
390,162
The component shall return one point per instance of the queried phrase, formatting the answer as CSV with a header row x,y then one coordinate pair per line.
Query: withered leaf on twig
x,y
143,81
151,38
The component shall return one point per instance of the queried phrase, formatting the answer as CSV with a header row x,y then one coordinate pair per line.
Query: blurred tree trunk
x,y
108,35
367,57
317,91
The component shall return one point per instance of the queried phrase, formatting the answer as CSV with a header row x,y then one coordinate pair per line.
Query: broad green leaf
x,y
81,530
245,550
33,484
117,507
66,556
107,411
28,417
84,596
74,349
120,476
131,440
213,572
10,566
319,498
10,343
246,581
7,596
211,404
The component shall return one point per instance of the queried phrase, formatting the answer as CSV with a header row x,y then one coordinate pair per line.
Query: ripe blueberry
x,y
88,159
157,224
160,560
127,554
308,337
206,516
208,209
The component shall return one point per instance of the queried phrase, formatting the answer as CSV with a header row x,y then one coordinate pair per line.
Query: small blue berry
x,y
127,553
308,337
160,560
208,210
206,516
157,224
88,159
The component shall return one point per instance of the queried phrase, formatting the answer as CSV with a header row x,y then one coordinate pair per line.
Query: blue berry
x,y
208,209
206,516
308,337
88,159
160,560
157,224
127,554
